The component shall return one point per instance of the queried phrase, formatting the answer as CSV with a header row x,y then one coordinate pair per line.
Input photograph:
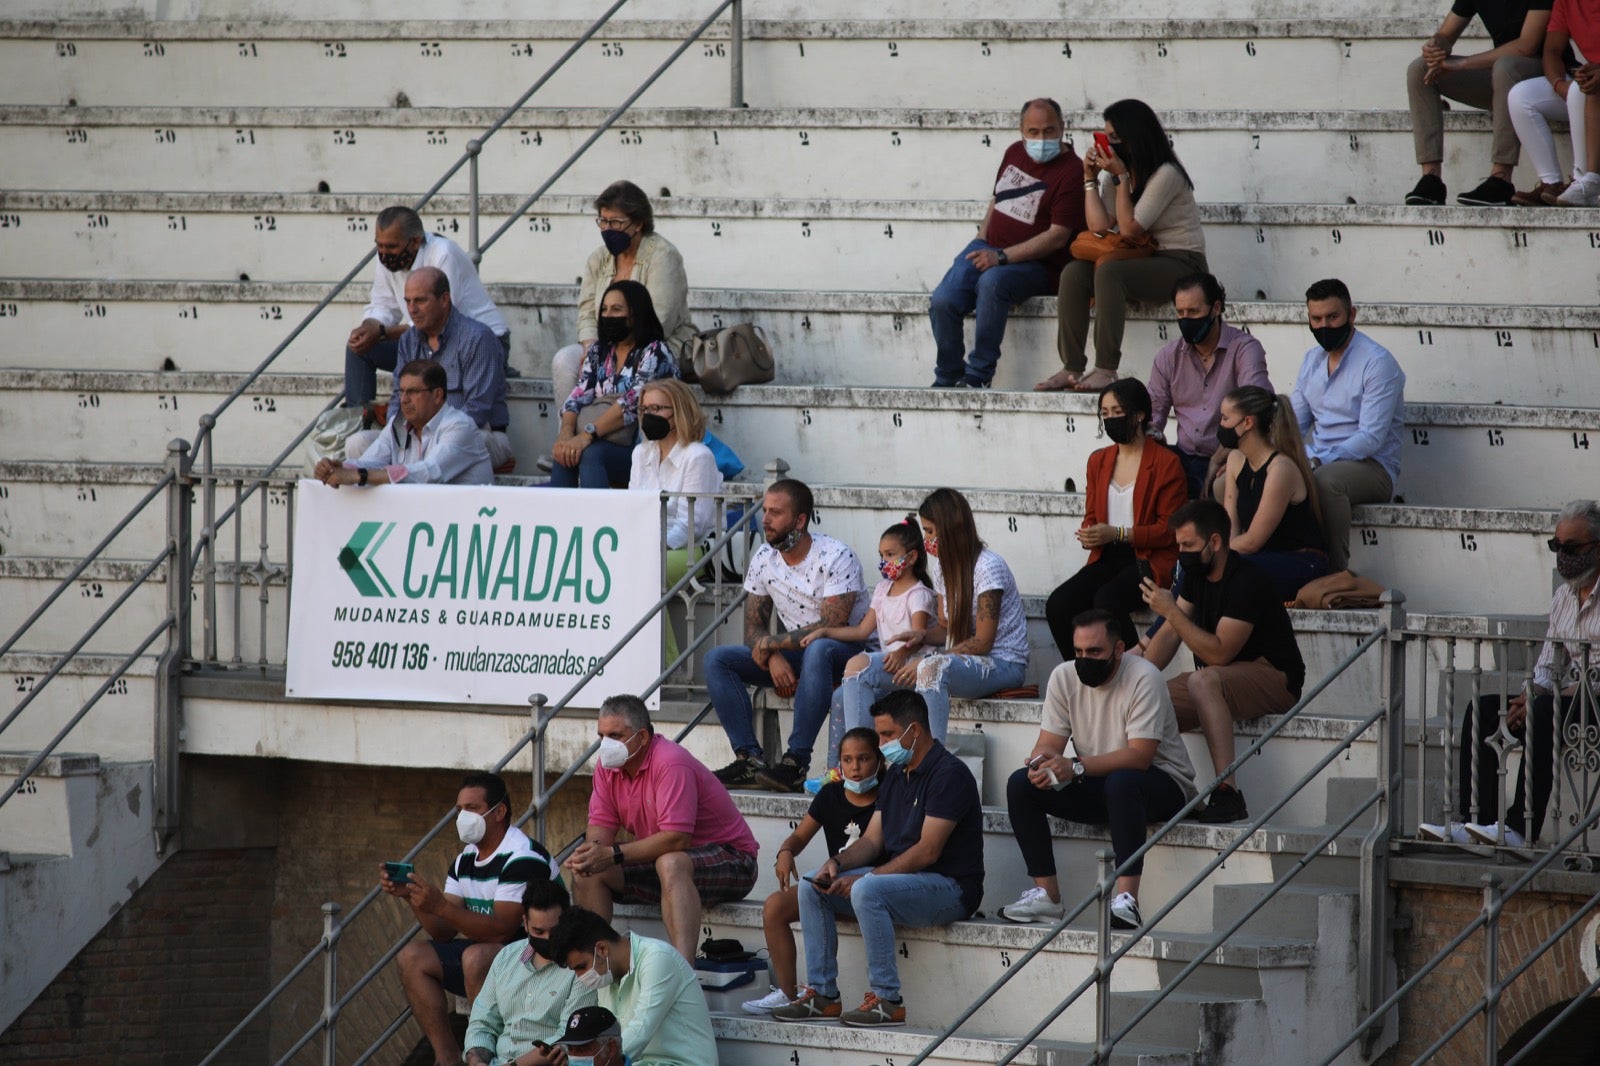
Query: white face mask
x,y
613,753
593,978
470,827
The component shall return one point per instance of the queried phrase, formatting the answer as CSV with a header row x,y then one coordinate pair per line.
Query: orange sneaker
x,y
875,1013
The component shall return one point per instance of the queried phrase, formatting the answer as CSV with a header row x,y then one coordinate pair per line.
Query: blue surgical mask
x,y
1042,151
895,753
858,787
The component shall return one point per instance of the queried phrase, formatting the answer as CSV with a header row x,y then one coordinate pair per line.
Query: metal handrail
x,y
715,545
1070,915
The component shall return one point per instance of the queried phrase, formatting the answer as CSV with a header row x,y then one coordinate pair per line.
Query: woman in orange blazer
x,y
1134,486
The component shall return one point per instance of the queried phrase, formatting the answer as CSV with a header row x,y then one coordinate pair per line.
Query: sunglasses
x,y
1571,547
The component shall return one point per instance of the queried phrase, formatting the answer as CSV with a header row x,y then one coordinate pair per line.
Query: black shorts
x,y
450,952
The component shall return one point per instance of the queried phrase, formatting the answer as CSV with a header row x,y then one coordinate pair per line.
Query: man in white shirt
x,y
403,245
431,443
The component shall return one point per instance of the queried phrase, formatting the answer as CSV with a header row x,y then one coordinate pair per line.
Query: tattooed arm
x,y
985,625
835,612
757,621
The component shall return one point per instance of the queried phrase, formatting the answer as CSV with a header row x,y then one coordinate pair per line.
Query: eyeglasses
x,y
1571,547
613,223
662,409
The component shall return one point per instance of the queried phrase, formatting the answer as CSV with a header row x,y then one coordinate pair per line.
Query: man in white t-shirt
x,y
814,582
1128,766
478,910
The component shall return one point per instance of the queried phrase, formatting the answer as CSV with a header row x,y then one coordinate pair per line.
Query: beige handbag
x,y
724,359
624,434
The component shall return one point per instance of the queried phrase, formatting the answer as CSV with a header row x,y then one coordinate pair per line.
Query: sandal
x,y
1060,381
1095,380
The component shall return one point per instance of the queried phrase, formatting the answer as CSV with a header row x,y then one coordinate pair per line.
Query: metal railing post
x,y
1374,899
330,985
541,720
180,517
1103,964
474,149
1492,903
736,54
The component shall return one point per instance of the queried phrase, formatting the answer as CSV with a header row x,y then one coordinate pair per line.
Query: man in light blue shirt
x,y
526,999
431,443
1349,399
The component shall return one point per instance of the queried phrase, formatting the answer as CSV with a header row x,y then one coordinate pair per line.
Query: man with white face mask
x,y
691,847
644,983
478,910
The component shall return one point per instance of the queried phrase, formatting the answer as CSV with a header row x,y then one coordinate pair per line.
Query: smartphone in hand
x,y
1035,762
820,882
1103,143
1146,573
399,873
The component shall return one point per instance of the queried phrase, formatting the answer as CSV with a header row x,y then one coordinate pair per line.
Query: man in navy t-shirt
x,y
1020,249
919,863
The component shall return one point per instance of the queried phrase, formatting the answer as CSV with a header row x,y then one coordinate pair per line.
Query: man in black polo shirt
x,y
919,863
1230,617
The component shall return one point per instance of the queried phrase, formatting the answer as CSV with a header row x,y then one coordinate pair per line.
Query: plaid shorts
x,y
722,873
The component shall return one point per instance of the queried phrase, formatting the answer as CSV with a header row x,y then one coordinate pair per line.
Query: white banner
x,y
471,594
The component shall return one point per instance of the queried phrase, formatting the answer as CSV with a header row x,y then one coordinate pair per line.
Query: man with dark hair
x,y
647,985
404,245
479,909
1034,212
1349,399
431,444
1127,767
1193,372
473,361
919,863
690,847
814,582
1231,618
526,999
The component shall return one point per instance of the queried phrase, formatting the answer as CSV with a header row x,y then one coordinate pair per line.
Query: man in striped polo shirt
x,y
478,910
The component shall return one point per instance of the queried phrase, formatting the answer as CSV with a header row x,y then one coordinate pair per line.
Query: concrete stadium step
x,y
805,63
982,950
1270,251
49,812
1451,354
117,729
1293,156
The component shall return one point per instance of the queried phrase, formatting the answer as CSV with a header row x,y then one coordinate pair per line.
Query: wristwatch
x,y
589,429
616,854
1078,769
1000,254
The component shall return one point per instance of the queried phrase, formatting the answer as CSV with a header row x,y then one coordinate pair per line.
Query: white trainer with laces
x,y
1033,906
768,1003
1490,834
1125,912
1453,833
1583,192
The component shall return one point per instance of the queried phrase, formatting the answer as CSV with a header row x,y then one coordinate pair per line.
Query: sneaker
x,y
1548,192
1453,833
741,772
1429,191
787,775
1490,834
1491,192
545,463
1226,805
875,1013
972,383
1033,906
809,1006
1125,912
1583,192
768,1003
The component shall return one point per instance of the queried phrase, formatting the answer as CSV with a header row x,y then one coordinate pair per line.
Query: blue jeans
x,y
602,465
1290,570
361,371
939,676
991,294
729,669
879,902
1194,469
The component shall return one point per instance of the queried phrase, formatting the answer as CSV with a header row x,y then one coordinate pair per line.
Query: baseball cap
x,y
588,1024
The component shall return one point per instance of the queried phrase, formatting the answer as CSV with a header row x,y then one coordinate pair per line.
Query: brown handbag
x,y
724,359
1105,247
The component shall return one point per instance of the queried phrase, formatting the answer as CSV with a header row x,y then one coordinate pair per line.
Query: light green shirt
x,y
521,1003
661,1007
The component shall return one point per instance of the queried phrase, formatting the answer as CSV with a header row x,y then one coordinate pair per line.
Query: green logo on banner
x,y
356,558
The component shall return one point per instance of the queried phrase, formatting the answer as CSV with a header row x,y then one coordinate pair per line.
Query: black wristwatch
x,y
1000,254
1078,769
616,854
361,477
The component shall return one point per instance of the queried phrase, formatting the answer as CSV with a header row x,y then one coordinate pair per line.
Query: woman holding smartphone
x,y
1149,193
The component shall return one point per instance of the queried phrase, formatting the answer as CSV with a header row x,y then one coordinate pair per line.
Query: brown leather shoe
x,y
1541,195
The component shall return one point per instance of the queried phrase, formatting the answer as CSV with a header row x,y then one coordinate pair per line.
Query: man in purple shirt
x,y
1191,375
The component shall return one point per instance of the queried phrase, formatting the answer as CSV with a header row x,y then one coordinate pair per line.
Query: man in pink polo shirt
x,y
690,846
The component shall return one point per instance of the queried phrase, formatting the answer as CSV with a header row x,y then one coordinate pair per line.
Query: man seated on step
x,y
526,998
1349,399
919,863
478,910
594,1036
473,361
1193,372
1479,79
649,988
1128,767
1531,714
431,443
1230,618
689,846
404,245
815,582
1034,211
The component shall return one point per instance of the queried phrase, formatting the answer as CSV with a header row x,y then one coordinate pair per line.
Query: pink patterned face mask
x,y
931,545
891,571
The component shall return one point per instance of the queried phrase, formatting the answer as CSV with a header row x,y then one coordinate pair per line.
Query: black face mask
x,y
1194,330
616,240
541,945
1228,436
1195,565
1333,338
1574,565
1119,429
613,328
1093,672
654,427
399,260
1122,152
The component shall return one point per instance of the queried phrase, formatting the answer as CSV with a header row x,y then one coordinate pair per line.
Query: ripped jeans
x,y
939,676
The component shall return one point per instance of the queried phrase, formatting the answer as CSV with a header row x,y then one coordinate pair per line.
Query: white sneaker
x,y
1453,833
1583,192
1033,906
1125,912
1490,834
768,1003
